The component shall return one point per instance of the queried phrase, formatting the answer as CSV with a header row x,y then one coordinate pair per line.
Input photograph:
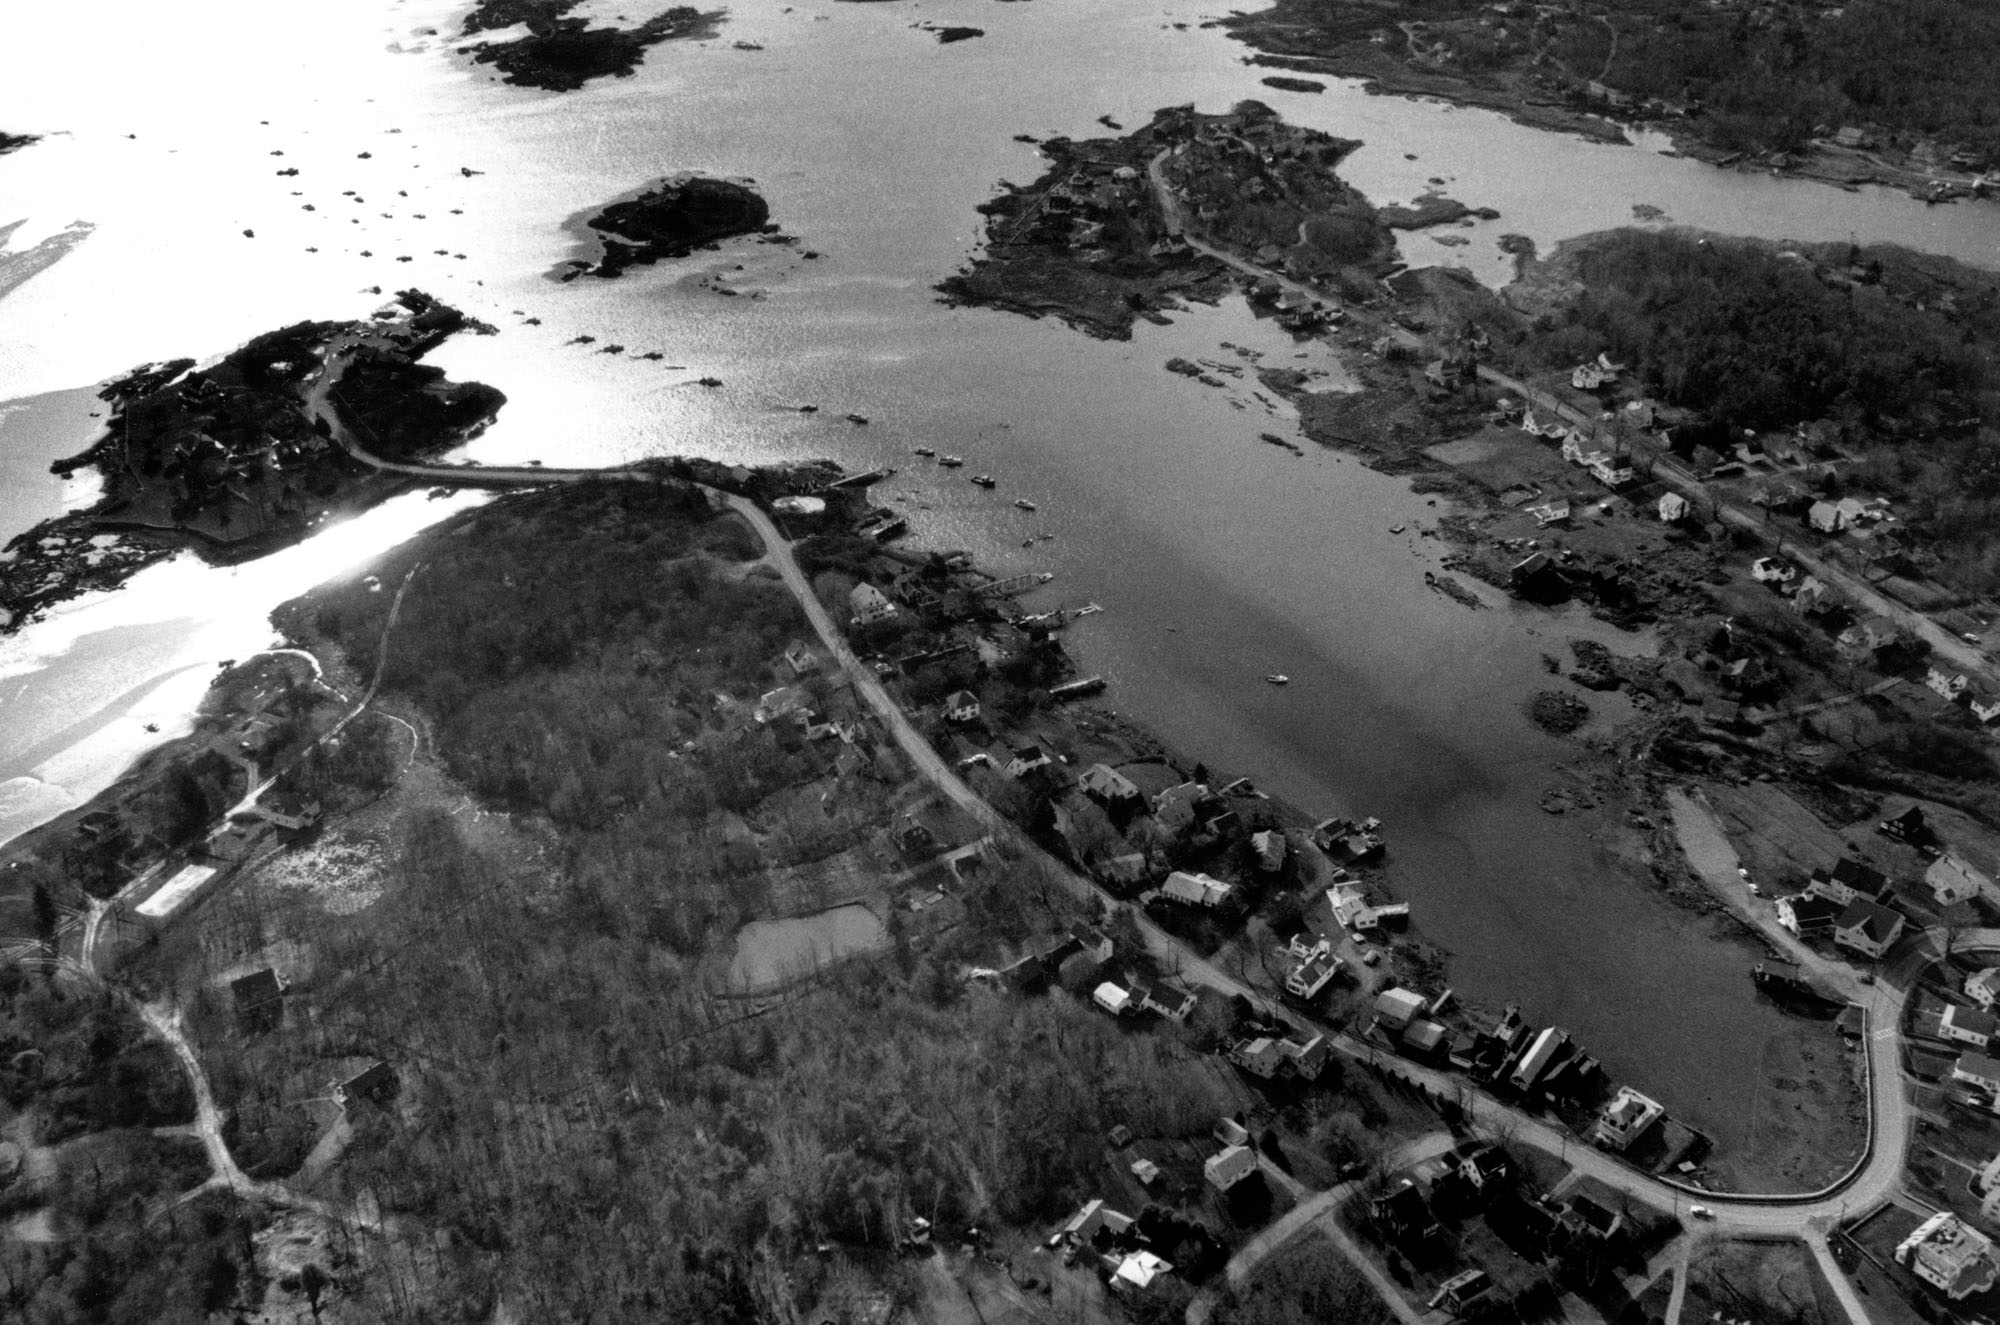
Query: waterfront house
x,y
1977,1070
1950,1255
1397,1008
1424,1039
869,605
1178,807
1540,1057
1983,986
1967,1025
1195,889
1867,928
1953,879
1226,1168
1270,848
1674,508
1107,784
1626,1119
961,706
1027,758
1809,915
1945,684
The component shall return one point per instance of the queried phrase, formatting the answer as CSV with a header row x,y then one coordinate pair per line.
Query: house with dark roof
x,y
1849,880
260,1000
1584,1217
1966,1025
1404,1215
1809,915
961,706
375,1084
1867,928
1909,826
1485,1166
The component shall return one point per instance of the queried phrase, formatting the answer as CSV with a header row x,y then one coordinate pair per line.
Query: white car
x,y
1701,1212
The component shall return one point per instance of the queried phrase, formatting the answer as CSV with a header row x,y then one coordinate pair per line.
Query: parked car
x,y
1701,1212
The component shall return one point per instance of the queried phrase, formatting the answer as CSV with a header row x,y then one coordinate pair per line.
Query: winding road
x,y
1874,1180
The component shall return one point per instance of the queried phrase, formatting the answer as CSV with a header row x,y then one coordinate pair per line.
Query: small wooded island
x,y
672,219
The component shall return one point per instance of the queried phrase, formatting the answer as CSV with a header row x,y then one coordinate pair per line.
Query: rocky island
x,y
560,53
12,142
236,459
670,220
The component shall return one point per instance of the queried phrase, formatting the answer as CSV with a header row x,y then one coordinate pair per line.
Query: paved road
x,y
1946,645
1874,1182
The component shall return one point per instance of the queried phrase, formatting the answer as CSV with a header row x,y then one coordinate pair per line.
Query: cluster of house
x,y
1482,1176
1854,903
1581,449
1275,1055
1595,374
1856,639
1847,513
1113,1238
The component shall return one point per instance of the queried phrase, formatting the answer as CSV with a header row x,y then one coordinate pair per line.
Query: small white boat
x,y
950,461
1088,609
1278,679
1024,503
1045,577
924,450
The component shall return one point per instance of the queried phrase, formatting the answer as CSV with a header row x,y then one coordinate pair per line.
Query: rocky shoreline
x,y
227,462
561,54
14,142
670,219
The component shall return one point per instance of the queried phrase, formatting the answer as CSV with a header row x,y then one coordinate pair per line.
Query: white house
x,y
1226,1168
1983,986
1673,508
1314,972
1950,1255
1270,848
1771,570
1113,998
1397,1008
1944,684
1626,1118
1539,1058
1195,889
1825,516
1610,471
1867,928
1027,758
1953,879
869,605
1988,1186
1109,785
961,706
